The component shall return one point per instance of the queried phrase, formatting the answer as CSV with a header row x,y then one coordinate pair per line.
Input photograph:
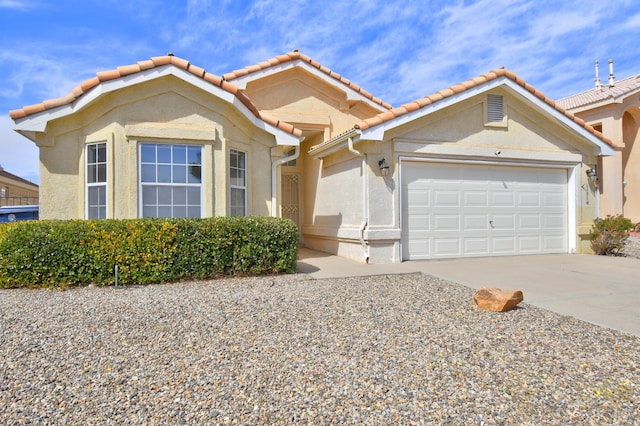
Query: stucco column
x,y
611,187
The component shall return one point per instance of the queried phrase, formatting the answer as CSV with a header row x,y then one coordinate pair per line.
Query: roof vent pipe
x,y
598,82
612,79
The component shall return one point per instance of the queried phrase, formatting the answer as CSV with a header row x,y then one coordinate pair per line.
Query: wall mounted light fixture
x,y
384,167
592,174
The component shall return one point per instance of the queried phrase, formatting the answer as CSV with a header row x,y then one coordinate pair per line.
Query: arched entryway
x,y
631,163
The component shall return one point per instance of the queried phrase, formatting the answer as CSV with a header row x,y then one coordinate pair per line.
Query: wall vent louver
x,y
495,109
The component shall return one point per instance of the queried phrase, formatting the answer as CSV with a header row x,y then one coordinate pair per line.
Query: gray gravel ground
x,y
632,247
407,349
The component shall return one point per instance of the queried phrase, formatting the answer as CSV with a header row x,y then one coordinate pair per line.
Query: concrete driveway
x,y
599,289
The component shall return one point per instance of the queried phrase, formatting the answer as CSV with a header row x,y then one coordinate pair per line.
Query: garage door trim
x,y
571,168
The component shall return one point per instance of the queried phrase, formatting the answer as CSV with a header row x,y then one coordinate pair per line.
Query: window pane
x,y
193,196
148,153
149,211
179,211
164,211
195,173
179,154
179,174
164,195
164,174
193,211
102,173
148,173
164,153
91,154
102,153
180,195
195,155
91,173
149,195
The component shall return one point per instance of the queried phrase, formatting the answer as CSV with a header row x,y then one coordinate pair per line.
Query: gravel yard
x,y
406,349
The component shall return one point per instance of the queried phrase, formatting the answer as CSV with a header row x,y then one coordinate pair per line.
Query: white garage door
x,y
467,210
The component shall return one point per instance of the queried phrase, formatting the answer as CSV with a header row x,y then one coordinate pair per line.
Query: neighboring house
x,y
16,191
613,108
487,167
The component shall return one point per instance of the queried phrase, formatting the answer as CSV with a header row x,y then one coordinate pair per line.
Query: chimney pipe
x,y
598,82
612,80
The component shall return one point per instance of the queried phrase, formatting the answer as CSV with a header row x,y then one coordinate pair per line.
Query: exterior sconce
x,y
592,174
384,167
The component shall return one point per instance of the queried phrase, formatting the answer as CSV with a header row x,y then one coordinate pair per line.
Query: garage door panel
x,y
454,210
555,199
551,243
530,244
553,221
477,246
529,221
446,247
446,222
475,222
503,245
446,198
529,199
503,199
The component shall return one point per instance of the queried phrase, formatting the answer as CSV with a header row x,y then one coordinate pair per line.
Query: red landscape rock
x,y
497,300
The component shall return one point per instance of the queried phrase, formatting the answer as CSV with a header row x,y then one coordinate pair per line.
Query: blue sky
x,y
397,50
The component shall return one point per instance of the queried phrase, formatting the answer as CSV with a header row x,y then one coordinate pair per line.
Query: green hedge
x,y
79,252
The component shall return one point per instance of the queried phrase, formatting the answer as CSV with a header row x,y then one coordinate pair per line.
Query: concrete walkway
x,y
599,289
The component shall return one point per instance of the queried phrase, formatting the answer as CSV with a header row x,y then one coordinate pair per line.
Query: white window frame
x,y
172,184
97,183
241,187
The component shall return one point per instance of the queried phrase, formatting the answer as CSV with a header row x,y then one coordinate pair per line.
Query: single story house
x,y
488,167
613,108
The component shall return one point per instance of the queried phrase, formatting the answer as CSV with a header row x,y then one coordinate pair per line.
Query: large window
x,y
97,181
170,180
237,183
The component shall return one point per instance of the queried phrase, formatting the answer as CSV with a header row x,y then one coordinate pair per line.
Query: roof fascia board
x,y
352,95
38,122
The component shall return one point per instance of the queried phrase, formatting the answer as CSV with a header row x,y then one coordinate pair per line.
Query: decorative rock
x,y
497,300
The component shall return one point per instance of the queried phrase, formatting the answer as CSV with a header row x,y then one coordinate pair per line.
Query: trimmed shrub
x,y
79,252
609,235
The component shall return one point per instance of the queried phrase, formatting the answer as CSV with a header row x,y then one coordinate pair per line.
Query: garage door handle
x,y
491,223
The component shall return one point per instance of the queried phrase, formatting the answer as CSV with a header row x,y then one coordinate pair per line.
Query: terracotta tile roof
x,y
297,56
459,88
154,62
613,93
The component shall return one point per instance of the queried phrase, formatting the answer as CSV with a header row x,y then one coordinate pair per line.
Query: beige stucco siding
x,y
165,110
298,97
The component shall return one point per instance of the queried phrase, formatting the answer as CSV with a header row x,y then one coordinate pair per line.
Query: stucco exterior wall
x,y
165,110
297,97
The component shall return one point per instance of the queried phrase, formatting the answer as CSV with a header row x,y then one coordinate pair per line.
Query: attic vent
x,y
495,109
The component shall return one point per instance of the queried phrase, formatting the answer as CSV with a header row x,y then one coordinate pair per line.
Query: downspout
x,y
274,167
365,199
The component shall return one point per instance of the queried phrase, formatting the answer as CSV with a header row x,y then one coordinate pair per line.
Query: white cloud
x,y
17,4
